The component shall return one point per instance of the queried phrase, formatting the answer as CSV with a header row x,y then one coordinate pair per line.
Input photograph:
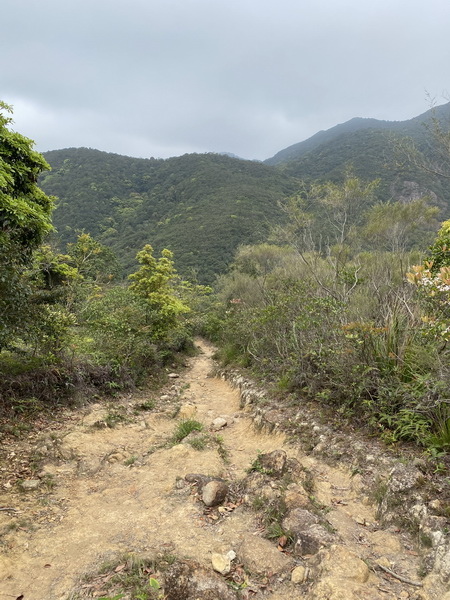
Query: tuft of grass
x,y
257,467
184,428
113,418
308,483
145,406
200,442
129,576
221,449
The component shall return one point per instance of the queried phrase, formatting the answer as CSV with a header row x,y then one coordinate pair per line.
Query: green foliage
x,y
440,250
391,225
24,221
93,260
199,206
184,428
155,284
359,346
117,331
410,156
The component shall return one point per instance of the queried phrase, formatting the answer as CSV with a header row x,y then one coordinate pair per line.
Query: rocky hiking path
x,y
202,509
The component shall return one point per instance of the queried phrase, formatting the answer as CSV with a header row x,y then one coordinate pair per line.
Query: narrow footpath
x,y
116,481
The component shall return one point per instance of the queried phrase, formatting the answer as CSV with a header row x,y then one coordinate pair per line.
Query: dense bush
x,y
369,356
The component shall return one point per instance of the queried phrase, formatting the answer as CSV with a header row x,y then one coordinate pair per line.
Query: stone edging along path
x,y
241,509
397,486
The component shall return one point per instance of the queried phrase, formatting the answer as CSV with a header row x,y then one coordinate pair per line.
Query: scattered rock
x,y
30,485
296,497
403,478
261,557
308,534
340,562
214,493
219,423
165,397
173,375
299,575
190,581
187,411
298,520
273,463
221,563
311,540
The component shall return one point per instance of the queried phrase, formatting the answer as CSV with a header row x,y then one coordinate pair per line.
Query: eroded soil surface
x,y
106,491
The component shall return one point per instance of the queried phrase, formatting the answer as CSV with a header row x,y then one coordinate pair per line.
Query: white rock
x,y
298,575
219,423
30,485
221,563
231,554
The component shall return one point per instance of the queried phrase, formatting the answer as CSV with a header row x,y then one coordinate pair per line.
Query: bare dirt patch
x,y
103,492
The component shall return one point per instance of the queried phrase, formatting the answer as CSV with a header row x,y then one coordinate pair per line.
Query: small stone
x,y
340,562
403,479
165,397
187,411
116,457
173,375
435,504
231,554
186,581
219,423
221,563
214,493
273,463
384,562
298,575
261,556
30,484
298,520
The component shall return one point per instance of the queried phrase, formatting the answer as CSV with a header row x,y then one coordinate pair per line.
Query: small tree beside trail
x,y
25,220
156,283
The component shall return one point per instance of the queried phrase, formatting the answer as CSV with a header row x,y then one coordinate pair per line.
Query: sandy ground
x,y
115,491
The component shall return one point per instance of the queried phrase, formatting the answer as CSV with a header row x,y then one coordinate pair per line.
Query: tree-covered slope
x,y
414,128
200,206
375,150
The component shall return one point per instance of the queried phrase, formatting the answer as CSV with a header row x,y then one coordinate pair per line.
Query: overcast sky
x,y
165,77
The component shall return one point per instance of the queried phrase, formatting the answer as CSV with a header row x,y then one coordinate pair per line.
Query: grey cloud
x,y
164,77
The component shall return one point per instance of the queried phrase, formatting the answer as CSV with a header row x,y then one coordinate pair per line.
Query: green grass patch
x,y
184,428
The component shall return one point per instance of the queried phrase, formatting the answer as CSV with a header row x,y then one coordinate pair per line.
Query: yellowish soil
x,y
115,491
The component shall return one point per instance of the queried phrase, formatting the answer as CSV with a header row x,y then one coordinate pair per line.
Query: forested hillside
x,y
200,206
203,206
344,303
375,149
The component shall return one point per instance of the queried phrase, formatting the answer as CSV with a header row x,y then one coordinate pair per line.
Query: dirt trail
x,y
114,490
